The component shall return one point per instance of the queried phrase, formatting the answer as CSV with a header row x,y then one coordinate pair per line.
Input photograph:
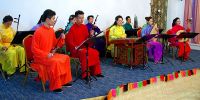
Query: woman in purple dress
x,y
154,47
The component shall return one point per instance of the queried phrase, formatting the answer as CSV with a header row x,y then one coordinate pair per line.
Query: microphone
x,y
17,21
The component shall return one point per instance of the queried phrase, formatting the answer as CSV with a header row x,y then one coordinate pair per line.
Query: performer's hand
x,y
62,35
50,55
157,29
53,51
4,48
92,32
75,48
94,26
154,39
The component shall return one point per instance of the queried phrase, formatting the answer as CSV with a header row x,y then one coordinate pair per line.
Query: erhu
x,y
58,35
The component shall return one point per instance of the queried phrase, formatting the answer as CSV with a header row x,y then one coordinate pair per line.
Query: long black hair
x,y
148,18
40,20
116,19
47,14
71,17
174,21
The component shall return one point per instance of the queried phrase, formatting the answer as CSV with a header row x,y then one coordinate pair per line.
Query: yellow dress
x,y
116,32
14,56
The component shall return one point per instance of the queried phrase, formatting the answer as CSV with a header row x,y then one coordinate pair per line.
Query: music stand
x,y
143,41
160,31
164,37
132,32
185,35
20,35
85,44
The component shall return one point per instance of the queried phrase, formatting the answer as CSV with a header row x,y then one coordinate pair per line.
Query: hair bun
x,y
148,18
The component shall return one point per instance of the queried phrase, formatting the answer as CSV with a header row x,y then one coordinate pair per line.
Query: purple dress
x,y
154,48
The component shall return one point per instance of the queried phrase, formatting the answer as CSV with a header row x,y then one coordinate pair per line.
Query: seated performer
x,y
90,25
128,27
72,20
98,43
11,56
176,30
116,32
50,65
154,47
76,35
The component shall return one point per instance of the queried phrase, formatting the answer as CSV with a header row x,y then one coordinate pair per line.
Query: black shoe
x,y
58,90
67,85
99,75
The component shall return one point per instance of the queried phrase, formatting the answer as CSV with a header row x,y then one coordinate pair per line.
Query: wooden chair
x,y
108,42
27,42
171,47
76,62
73,60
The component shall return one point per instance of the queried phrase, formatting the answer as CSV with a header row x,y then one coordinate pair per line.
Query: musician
x,y
154,47
116,32
50,66
77,34
72,20
91,26
10,56
176,30
128,27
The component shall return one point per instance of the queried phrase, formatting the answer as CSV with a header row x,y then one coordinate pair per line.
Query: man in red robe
x,y
50,66
177,29
76,35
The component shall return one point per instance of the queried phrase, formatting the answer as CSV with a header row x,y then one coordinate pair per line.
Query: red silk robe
x,y
180,45
76,35
55,69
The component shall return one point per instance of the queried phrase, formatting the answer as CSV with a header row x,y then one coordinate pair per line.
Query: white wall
x,y
175,9
31,10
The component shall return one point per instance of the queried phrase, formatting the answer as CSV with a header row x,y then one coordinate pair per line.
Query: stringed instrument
x,y
154,31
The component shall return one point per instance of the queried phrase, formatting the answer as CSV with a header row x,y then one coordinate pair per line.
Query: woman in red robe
x,y
76,35
50,66
177,29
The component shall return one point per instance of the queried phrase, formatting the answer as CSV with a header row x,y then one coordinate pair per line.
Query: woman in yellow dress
x,y
117,31
10,56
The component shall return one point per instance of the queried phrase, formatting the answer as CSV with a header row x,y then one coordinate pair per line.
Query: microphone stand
x,y
87,71
18,19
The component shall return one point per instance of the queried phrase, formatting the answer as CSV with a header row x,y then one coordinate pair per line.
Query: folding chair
x,y
27,42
